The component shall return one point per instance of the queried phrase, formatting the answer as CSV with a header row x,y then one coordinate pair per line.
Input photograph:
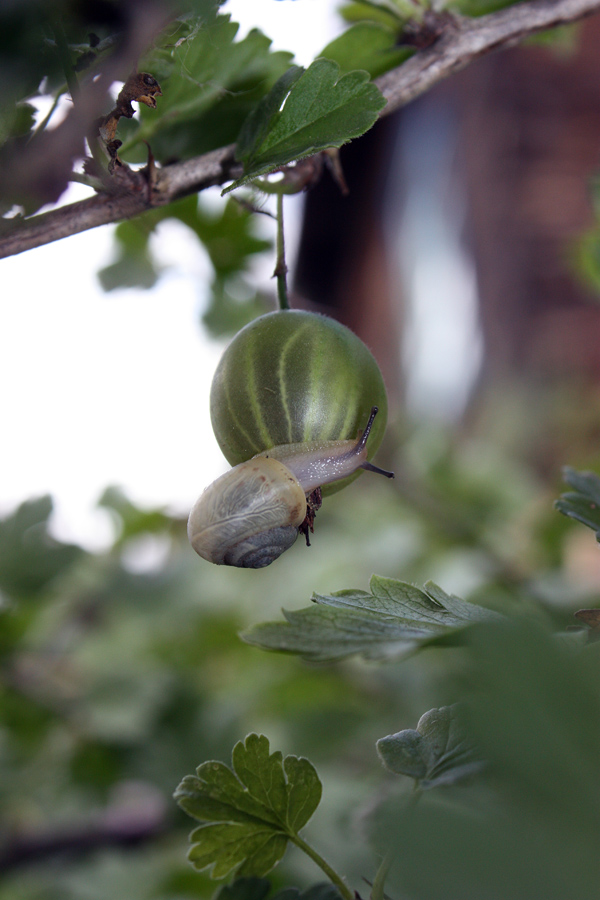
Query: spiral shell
x,y
249,516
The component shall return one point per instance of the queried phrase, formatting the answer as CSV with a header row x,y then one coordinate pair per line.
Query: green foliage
x,y
367,45
585,253
227,235
436,753
391,14
531,705
210,82
30,559
394,618
583,503
323,108
250,813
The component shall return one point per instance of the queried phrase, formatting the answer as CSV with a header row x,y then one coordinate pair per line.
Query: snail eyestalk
x,y
362,443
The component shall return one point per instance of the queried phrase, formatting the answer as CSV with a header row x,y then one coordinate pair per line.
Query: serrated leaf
x,y
248,813
582,504
394,618
255,128
322,109
436,753
203,72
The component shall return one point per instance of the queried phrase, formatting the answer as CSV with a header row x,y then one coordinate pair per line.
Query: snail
x,y
298,406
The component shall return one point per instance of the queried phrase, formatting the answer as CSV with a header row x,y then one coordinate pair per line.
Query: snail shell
x,y
249,516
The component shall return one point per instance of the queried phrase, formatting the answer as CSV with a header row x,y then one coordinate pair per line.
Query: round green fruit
x,y
295,377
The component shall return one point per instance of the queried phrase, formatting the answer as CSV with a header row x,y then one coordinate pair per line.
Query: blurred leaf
x,y
531,706
258,889
367,45
250,812
228,235
586,256
226,313
29,557
582,504
323,108
134,266
16,121
394,618
388,14
436,753
133,520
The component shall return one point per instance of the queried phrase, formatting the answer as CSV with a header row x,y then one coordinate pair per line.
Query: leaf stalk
x,y
333,876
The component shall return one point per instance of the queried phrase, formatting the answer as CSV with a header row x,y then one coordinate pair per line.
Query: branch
x,y
121,829
137,196
466,39
461,41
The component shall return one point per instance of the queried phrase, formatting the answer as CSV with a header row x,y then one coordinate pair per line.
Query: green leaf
x,y
29,557
250,813
322,109
255,128
583,503
228,236
436,753
394,618
367,45
210,82
367,10
133,266
132,520
531,705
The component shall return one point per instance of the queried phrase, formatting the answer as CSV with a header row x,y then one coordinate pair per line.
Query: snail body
x,y
288,401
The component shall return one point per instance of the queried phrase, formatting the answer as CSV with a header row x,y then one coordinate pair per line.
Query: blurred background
x,y
467,256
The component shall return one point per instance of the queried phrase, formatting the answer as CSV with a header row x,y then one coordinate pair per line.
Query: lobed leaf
x,y
395,617
321,108
248,813
210,83
436,753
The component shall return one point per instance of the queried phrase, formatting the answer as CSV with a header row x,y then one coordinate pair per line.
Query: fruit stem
x,y
280,267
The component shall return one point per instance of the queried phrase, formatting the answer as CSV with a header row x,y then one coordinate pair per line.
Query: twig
x,y
462,41
121,829
467,39
281,268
